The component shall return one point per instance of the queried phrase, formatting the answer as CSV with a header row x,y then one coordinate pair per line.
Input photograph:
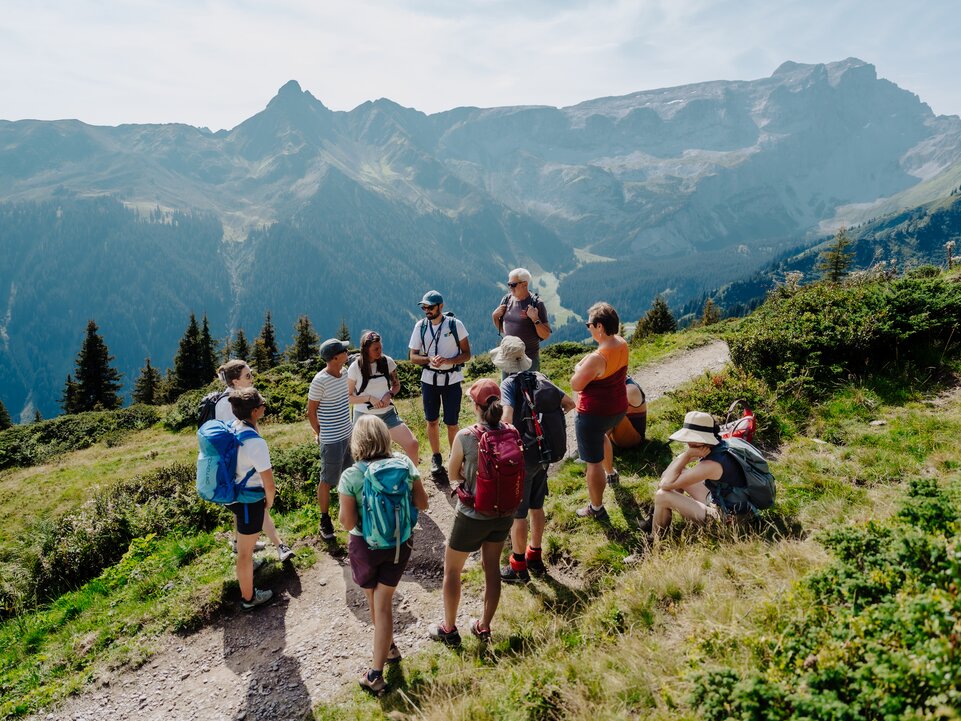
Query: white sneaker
x,y
284,552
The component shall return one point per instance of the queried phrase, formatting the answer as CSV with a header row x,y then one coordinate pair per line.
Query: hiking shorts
x,y
433,395
590,431
535,490
250,516
391,417
334,458
469,534
372,566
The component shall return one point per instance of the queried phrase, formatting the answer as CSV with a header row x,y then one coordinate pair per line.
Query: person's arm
x,y
419,495
270,488
586,370
541,325
498,316
508,415
394,386
352,396
678,476
456,461
634,395
349,518
312,407
567,404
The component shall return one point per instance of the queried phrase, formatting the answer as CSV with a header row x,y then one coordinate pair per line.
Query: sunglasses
x,y
515,283
426,308
590,325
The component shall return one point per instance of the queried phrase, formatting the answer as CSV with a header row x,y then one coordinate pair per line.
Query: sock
x,y
597,508
324,515
374,674
519,557
532,552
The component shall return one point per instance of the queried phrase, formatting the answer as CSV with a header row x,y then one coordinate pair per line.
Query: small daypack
x,y
505,301
207,409
540,418
388,514
759,490
499,487
739,427
217,463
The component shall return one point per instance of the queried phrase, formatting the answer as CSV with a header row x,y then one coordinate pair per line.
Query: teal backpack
x,y
388,515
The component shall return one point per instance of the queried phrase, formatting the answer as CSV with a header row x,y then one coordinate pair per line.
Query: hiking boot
x,y
589,512
376,685
260,598
259,546
509,574
484,634
393,654
646,524
284,552
449,636
535,563
613,479
327,528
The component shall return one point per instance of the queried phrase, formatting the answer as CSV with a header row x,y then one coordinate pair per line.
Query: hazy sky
x,y
217,62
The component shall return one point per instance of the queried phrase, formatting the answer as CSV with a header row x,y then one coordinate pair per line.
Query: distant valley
x,y
353,215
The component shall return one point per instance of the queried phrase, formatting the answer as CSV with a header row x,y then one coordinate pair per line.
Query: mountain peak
x,y
291,95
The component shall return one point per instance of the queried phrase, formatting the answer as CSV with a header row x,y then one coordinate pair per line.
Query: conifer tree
x,y
98,384
306,345
268,339
208,354
37,415
658,319
343,333
68,399
188,370
5,421
711,314
146,389
259,357
240,348
835,260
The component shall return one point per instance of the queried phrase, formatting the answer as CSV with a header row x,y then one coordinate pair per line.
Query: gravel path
x,y
314,639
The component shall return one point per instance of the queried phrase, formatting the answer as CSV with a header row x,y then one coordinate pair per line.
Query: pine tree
x,y
240,348
68,399
5,421
711,314
188,371
37,415
835,260
259,357
343,333
658,319
208,353
269,354
146,389
98,384
306,345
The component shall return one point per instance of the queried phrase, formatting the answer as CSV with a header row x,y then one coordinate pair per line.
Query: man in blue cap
x,y
328,412
439,343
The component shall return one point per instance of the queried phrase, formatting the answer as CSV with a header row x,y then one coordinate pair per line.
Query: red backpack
x,y
499,488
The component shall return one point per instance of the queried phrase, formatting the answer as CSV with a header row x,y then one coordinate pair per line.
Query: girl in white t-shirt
x,y
372,383
236,375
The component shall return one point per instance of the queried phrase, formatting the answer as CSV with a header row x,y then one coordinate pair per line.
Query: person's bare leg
x,y
596,483
453,566
490,560
538,522
245,563
382,609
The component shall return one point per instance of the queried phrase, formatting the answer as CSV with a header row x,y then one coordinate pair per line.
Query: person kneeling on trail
x,y
686,490
536,407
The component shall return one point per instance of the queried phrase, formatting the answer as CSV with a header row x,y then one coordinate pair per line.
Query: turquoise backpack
x,y
388,515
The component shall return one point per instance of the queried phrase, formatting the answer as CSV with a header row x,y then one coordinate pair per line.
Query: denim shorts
x,y
590,431
391,417
334,458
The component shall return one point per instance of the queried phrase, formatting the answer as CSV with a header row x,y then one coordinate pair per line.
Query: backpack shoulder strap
x,y
453,332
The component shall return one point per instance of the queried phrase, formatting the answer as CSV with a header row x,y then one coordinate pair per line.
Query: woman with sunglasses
x,y
236,375
372,383
600,383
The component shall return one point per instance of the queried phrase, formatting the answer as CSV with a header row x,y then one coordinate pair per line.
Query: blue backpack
x,y
217,463
388,515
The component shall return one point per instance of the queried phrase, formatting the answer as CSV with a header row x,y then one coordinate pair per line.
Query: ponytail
x,y
491,413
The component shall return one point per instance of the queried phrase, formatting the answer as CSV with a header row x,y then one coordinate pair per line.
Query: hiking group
x,y
497,469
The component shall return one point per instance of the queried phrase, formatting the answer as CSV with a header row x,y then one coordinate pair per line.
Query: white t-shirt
x,y
438,340
252,454
377,386
223,411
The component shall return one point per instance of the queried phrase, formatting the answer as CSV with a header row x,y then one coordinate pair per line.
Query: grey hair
x,y
522,274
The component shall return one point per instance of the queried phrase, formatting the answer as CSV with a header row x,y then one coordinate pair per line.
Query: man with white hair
x,y
523,314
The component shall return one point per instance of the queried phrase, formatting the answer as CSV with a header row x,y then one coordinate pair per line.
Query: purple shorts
x,y
370,566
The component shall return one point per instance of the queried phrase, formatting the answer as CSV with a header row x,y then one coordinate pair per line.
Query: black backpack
x,y
452,326
505,301
207,410
539,417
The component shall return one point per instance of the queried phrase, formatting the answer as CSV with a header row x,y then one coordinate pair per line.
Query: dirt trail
x,y
314,640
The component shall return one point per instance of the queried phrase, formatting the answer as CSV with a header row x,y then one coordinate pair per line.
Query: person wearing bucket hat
x,y
328,412
523,314
536,407
439,343
682,488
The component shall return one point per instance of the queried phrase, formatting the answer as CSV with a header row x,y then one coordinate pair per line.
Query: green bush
x,y
296,472
34,443
804,342
479,366
408,374
871,636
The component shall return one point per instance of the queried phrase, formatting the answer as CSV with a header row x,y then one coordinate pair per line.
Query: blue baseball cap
x,y
431,297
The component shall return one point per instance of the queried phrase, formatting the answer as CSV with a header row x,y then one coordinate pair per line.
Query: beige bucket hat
x,y
510,356
698,428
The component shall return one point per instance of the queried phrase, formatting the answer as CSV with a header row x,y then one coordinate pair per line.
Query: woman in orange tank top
x,y
599,381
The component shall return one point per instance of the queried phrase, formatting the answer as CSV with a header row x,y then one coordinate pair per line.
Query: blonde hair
x,y
370,438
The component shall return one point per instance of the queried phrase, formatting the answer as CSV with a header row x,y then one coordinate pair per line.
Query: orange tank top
x,y
606,395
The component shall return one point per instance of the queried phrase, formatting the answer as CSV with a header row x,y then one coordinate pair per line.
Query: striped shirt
x,y
333,413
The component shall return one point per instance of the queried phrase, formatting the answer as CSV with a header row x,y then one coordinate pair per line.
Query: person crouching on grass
x,y
376,571
256,498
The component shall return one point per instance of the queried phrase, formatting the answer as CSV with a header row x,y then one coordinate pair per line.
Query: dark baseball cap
x,y
431,297
331,347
